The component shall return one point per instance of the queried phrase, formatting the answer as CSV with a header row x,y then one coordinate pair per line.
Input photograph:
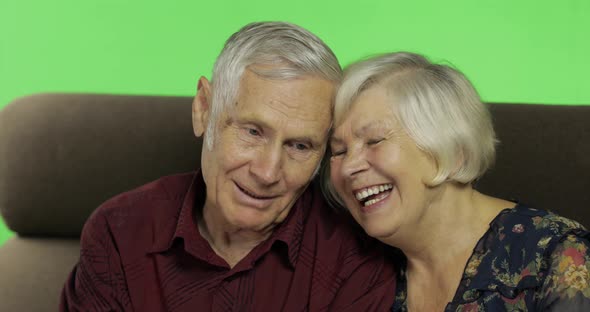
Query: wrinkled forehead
x,y
370,114
349,93
342,106
374,100
301,102
358,83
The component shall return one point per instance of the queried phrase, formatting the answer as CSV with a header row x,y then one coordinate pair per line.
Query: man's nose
x,y
267,167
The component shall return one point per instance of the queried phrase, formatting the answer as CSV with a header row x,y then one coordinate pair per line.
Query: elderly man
x,y
245,233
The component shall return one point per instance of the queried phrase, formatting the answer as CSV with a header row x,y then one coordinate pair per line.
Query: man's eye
x,y
301,146
253,132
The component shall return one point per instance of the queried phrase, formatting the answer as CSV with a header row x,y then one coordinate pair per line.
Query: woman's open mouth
x,y
373,194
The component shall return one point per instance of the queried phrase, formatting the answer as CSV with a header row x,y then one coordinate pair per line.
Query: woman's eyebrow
x,y
335,140
379,125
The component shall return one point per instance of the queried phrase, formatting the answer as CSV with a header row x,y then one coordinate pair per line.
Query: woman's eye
x,y
374,141
337,153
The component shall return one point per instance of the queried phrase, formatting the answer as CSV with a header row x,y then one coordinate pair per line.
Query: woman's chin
x,y
380,224
379,230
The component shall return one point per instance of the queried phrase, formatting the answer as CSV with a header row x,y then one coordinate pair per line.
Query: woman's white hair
x,y
291,50
436,105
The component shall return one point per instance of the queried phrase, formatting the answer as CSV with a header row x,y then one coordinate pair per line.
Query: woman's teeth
x,y
374,200
371,191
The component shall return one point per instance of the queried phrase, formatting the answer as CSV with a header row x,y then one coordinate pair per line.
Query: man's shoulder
x,y
172,187
332,222
334,231
144,197
130,216
346,262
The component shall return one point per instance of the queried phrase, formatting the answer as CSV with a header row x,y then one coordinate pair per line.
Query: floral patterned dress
x,y
528,260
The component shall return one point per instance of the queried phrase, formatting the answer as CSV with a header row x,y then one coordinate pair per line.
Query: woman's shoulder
x,y
529,259
567,282
520,242
533,241
568,279
531,234
536,223
522,248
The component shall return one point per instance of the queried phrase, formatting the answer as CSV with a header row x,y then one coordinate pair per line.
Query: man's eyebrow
x,y
314,140
248,120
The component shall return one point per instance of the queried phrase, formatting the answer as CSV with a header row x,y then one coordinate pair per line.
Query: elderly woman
x,y
410,139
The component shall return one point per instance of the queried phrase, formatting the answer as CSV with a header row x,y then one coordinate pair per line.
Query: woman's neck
x,y
452,225
439,247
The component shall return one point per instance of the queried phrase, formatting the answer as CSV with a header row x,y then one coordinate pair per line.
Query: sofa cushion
x,y
33,272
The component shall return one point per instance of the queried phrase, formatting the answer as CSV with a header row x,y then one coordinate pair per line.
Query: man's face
x,y
266,150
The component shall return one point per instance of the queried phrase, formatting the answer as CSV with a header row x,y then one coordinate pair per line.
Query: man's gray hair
x,y
288,50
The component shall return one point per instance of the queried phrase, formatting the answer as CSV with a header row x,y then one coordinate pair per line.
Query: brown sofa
x,y
61,155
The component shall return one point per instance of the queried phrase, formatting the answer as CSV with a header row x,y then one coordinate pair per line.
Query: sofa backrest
x,y
62,155
543,158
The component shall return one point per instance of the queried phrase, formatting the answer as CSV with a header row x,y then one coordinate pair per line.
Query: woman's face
x,y
378,170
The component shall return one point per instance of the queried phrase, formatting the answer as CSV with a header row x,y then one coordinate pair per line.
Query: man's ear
x,y
201,107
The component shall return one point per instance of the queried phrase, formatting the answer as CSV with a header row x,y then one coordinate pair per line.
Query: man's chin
x,y
248,220
256,221
252,226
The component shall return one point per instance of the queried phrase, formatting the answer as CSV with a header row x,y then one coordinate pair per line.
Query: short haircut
x,y
291,50
435,104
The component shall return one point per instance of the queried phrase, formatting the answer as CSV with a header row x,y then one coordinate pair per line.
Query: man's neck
x,y
229,242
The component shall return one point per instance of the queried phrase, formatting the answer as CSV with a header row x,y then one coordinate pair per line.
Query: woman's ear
x,y
201,107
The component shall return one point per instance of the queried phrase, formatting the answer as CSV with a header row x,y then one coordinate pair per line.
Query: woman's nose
x,y
355,161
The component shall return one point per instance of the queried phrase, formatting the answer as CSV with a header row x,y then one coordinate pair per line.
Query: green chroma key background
x,y
528,51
